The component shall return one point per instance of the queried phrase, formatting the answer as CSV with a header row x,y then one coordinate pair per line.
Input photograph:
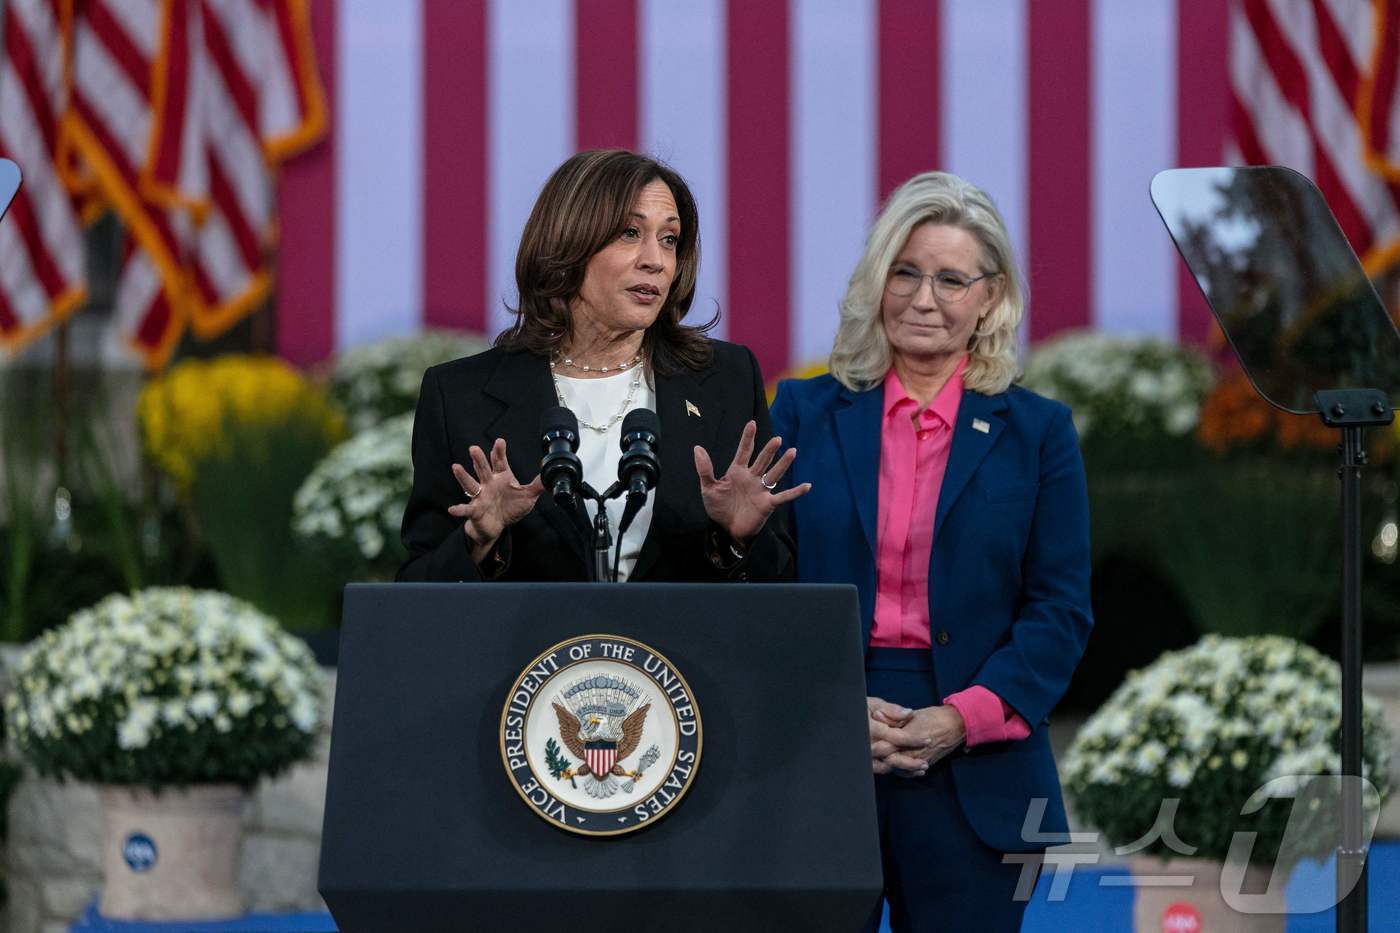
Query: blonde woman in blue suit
x,y
955,502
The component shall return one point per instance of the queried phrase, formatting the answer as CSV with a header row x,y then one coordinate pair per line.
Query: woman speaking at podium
x,y
956,504
606,272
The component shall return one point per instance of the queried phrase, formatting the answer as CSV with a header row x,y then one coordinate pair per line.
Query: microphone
x,y
639,470
561,470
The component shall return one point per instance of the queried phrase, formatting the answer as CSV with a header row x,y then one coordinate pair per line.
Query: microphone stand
x,y
602,533
1352,410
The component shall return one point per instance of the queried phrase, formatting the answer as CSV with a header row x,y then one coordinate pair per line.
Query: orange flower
x,y
1234,415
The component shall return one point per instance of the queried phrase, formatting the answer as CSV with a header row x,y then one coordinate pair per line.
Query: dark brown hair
x,y
585,205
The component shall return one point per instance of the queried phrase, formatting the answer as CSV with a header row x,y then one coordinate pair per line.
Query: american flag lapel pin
x,y
981,426
690,408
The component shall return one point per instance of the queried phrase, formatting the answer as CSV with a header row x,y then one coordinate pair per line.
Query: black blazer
x,y
502,393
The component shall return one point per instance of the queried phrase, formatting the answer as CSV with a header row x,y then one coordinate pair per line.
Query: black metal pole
x,y
1351,855
1351,411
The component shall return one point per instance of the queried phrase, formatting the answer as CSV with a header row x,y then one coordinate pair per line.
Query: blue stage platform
x,y
1087,905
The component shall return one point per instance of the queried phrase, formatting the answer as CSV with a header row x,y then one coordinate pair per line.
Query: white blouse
x,y
596,401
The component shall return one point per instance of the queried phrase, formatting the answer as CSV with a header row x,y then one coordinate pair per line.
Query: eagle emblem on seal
x,y
600,722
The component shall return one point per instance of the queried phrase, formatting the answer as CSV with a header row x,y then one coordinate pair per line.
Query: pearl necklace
x,y
601,369
626,403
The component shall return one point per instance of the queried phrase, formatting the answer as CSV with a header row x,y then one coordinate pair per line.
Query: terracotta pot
x,y
172,855
1200,907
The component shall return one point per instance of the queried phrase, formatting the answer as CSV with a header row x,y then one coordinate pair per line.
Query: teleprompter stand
x,y
1313,338
424,829
1352,411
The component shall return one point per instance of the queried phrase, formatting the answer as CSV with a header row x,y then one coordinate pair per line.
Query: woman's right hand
x,y
888,744
496,499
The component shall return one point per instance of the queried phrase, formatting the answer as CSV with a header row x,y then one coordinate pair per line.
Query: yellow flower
x,y
800,371
186,413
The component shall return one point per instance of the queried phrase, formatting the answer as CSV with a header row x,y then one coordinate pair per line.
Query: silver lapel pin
x,y
690,408
979,425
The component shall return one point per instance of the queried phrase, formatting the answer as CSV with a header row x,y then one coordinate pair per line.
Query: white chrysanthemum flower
x,y
268,670
167,664
45,720
204,704
354,496
305,713
376,381
1266,708
1180,772
135,730
131,735
1182,418
240,703
1149,757
1112,380
173,713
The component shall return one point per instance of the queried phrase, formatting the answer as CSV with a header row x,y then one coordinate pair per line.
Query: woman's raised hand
x,y
741,500
495,498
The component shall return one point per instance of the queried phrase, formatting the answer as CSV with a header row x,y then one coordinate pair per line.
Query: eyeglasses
x,y
947,286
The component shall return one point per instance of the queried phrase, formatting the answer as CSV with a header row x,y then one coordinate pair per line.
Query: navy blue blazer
x,y
1008,575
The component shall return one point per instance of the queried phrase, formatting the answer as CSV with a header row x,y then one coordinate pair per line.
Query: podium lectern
x,y
426,827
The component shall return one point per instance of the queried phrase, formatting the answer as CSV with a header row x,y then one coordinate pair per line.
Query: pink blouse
x,y
914,447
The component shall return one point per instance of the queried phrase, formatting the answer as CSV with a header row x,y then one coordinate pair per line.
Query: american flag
x,y
41,256
1379,106
174,114
236,93
108,131
1297,69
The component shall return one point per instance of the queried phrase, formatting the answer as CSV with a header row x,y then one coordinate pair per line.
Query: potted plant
x,y
352,503
1136,401
176,702
376,381
237,435
1222,738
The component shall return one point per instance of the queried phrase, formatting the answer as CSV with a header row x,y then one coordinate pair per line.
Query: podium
x,y
427,826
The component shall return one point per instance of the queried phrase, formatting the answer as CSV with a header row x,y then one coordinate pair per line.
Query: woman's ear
x,y
995,292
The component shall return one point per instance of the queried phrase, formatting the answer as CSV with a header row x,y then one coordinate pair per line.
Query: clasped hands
x,y
905,742
740,501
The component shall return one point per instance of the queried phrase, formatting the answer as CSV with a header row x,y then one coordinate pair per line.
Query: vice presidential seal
x,y
601,735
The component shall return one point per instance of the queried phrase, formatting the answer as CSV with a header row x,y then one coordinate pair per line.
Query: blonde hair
x,y
861,355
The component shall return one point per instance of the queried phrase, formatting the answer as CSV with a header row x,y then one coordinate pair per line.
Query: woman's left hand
x,y
933,732
741,500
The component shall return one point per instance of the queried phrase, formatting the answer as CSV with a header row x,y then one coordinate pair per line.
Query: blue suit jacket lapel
x,y
858,435
970,445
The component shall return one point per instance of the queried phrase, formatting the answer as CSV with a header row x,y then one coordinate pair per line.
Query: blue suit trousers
x,y
940,877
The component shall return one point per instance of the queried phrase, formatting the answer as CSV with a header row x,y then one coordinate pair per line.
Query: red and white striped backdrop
x,y
791,119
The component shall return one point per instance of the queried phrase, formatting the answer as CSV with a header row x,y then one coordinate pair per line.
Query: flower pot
x,y
172,855
1200,907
